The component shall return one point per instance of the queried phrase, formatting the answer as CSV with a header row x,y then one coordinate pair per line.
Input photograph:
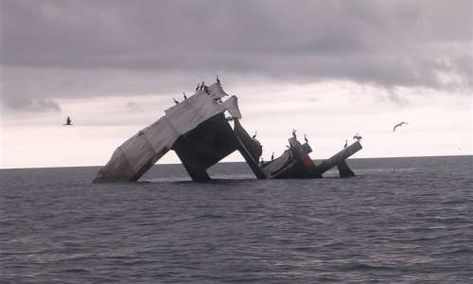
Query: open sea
x,y
400,220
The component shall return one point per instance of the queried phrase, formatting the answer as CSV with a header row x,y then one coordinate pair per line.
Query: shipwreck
x,y
205,128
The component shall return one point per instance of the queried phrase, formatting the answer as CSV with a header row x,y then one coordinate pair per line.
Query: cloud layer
x,y
65,49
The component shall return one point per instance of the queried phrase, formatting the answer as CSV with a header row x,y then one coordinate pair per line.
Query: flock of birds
x,y
356,137
202,86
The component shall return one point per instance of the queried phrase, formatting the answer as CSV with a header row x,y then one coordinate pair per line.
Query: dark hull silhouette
x,y
200,131
295,162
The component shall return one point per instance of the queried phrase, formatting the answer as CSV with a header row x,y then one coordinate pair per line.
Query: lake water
x,y
399,220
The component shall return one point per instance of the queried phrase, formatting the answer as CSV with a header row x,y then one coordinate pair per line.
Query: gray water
x,y
399,221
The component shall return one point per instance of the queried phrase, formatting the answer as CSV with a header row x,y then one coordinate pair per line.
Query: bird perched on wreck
x,y
294,133
357,137
254,135
399,124
185,97
175,101
218,80
346,144
68,121
272,156
305,138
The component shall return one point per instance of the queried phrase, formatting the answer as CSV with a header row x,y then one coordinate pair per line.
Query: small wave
x,y
76,270
366,266
456,251
210,216
166,180
456,202
335,244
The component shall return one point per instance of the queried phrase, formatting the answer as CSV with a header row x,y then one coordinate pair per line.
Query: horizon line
x,y
243,161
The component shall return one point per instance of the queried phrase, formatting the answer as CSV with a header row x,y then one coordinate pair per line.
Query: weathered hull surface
x,y
196,129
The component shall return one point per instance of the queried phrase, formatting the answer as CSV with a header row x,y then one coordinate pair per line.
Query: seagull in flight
x,y
399,124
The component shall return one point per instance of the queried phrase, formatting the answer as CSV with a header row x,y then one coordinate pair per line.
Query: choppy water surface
x,y
399,220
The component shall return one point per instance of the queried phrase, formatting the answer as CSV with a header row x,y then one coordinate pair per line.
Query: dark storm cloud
x,y
78,47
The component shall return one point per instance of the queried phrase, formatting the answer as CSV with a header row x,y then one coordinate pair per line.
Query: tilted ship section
x,y
199,129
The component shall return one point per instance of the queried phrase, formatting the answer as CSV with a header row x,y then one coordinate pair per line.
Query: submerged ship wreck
x,y
202,130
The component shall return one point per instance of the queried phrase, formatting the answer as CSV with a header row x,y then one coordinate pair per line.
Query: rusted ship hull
x,y
295,162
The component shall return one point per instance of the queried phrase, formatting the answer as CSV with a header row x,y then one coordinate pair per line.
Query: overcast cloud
x,y
65,49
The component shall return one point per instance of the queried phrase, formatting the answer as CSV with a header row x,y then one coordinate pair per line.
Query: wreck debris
x,y
338,160
198,129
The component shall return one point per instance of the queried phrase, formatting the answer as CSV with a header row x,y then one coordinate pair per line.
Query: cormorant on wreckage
x,y
68,121
199,131
357,137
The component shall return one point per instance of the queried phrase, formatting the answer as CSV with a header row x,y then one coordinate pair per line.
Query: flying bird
x,y
399,124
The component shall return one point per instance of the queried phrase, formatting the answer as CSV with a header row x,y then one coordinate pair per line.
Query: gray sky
x,y
56,55
64,49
